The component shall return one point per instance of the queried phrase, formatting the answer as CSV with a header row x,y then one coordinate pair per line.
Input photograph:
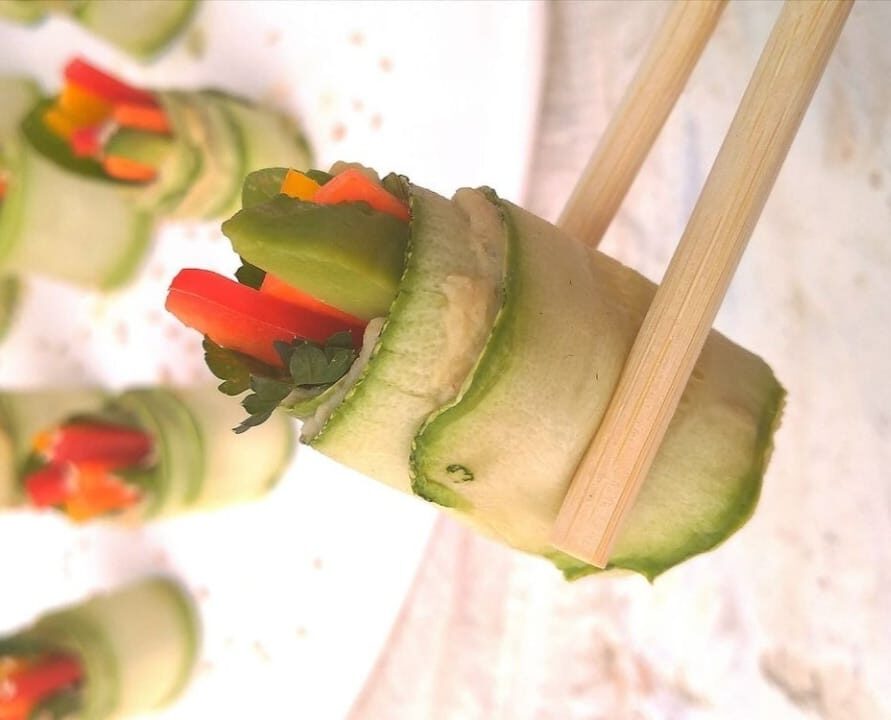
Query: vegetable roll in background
x,y
114,655
134,456
142,28
88,173
465,350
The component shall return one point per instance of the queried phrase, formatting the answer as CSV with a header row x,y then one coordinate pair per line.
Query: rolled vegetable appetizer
x,y
135,456
114,655
465,350
110,159
142,28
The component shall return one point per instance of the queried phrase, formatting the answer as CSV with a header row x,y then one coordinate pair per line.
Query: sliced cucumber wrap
x,y
17,96
176,158
10,290
9,485
212,130
28,12
504,453
71,227
237,468
179,470
138,646
268,137
141,27
436,328
494,368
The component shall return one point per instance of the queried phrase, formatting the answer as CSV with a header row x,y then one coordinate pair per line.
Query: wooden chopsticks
x,y
658,367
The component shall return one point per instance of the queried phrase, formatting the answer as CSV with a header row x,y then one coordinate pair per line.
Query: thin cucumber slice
x,y
436,328
141,27
238,467
73,228
138,645
10,290
17,96
180,470
270,138
29,12
503,454
24,414
176,159
214,133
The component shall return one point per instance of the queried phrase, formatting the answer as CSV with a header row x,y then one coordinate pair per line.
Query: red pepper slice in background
x,y
49,486
25,686
106,86
85,141
112,445
353,186
240,318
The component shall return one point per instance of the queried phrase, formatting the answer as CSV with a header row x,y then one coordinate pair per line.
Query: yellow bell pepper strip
x,y
299,186
83,107
59,122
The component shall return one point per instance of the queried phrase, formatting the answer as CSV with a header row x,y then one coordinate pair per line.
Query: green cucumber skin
x,y
141,27
10,291
238,468
707,476
139,645
215,135
414,367
179,472
93,237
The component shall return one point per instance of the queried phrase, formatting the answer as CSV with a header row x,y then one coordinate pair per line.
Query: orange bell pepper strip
x,y
98,492
140,117
280,289
122,168
353,186
299,186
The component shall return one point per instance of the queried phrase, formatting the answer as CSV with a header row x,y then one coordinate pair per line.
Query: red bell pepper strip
x,y
240,318
112,445
353,186
50,486
85,141
280,289
45,677
106,86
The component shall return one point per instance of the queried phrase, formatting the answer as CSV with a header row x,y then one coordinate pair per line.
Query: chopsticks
x,y
624,145
658,367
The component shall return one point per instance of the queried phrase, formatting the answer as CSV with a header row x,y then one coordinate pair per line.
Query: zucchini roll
x,y
142,28
465,351
131,457
114,655
87,174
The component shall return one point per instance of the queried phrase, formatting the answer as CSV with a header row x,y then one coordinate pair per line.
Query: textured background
x,y
790,618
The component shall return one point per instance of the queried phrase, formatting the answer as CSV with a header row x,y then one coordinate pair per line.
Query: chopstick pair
x,y
613,469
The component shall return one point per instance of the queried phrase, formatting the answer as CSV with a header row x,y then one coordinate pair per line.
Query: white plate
x,y
298,591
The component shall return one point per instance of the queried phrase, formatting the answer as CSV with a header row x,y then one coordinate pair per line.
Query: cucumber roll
x,y
111,159
130,457
126,652
142,28
465,351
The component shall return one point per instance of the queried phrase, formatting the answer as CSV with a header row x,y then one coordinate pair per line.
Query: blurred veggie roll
x,y
465,350
133,456
89,172
126,652
142,28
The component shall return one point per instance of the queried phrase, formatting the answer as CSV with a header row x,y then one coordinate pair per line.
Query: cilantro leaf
x,y
311,368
